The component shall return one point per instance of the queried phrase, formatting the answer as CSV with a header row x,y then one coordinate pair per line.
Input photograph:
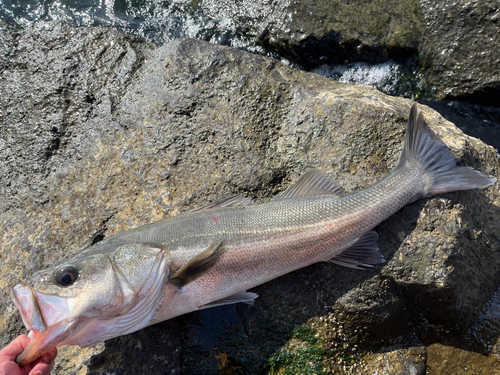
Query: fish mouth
x,y
24,299
46,329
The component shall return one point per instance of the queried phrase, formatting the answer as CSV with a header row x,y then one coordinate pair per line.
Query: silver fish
x,y
211,256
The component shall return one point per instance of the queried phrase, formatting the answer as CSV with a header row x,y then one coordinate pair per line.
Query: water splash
x,y
232,22
385,77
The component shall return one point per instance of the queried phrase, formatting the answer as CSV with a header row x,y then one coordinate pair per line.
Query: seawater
x,y
385,76
235,23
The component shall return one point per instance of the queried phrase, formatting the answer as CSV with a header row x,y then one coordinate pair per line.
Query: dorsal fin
x,y
311,184
235,200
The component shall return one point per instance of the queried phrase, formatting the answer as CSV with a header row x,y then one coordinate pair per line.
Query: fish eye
x,y
67,275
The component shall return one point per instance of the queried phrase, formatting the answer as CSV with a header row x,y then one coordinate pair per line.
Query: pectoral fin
x,y
244,297
198,265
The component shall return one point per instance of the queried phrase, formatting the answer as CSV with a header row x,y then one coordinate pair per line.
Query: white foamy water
x,y
385,77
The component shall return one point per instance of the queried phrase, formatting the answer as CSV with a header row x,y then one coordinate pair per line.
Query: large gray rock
x,y
460,55
457,44
101,133
339,32
454,46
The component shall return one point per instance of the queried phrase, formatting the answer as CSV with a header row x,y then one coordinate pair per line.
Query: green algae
x,y
302,355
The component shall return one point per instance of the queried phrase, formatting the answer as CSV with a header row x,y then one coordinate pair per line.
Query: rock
x,y
457,45
339,32
101,132
411,361
453,48
461,54
449,360
478,121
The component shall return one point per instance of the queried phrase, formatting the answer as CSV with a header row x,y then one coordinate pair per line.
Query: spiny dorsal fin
x,y
198,265
235,200
311,184
243,297
364,253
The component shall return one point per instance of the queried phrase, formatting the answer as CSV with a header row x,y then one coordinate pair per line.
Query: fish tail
x,y
439,170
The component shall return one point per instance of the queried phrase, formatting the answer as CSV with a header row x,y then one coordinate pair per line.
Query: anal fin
x,y
363,253
244,297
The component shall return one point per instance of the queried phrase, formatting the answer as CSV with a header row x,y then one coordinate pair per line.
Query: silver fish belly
x,y
213,255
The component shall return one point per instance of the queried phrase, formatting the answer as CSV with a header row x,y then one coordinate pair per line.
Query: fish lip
x,y
40,343
24,299
43,336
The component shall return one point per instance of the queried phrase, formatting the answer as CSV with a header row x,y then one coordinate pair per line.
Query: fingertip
x,y
42,368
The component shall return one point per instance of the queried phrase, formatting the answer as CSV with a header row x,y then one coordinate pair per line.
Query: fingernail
x,y
37,373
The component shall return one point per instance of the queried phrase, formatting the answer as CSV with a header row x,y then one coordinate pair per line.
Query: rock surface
x,y
411,361
448,360
101,132
461,51
449,49
339,32
457,44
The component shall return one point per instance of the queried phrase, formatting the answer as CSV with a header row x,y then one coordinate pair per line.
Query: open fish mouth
x,y
24,299
45,316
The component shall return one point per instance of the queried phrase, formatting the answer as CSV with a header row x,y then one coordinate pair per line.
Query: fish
x,y
213,255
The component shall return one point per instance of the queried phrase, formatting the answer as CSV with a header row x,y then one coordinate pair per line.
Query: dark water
x,y
234,23
152,20
475,120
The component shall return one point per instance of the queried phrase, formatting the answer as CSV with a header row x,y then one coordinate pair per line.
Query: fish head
x,y
108,291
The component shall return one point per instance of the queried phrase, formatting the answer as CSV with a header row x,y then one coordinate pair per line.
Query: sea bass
x,y
213,255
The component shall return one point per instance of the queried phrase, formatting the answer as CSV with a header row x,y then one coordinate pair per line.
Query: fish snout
x,y
27,305
43,333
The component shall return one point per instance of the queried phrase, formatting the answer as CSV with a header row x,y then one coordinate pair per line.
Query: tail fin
x,y
436,160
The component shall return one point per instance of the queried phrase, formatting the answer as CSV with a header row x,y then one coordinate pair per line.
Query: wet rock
x,y
443,359
339,32
461,54
411,361
101,133
456,44
449,49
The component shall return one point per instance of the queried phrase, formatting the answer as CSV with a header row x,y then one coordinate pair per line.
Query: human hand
x,y
8,365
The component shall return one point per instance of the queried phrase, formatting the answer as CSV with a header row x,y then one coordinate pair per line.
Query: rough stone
x,y
443,359
339,32
457,44
411,361
451,49
461,52
101,133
